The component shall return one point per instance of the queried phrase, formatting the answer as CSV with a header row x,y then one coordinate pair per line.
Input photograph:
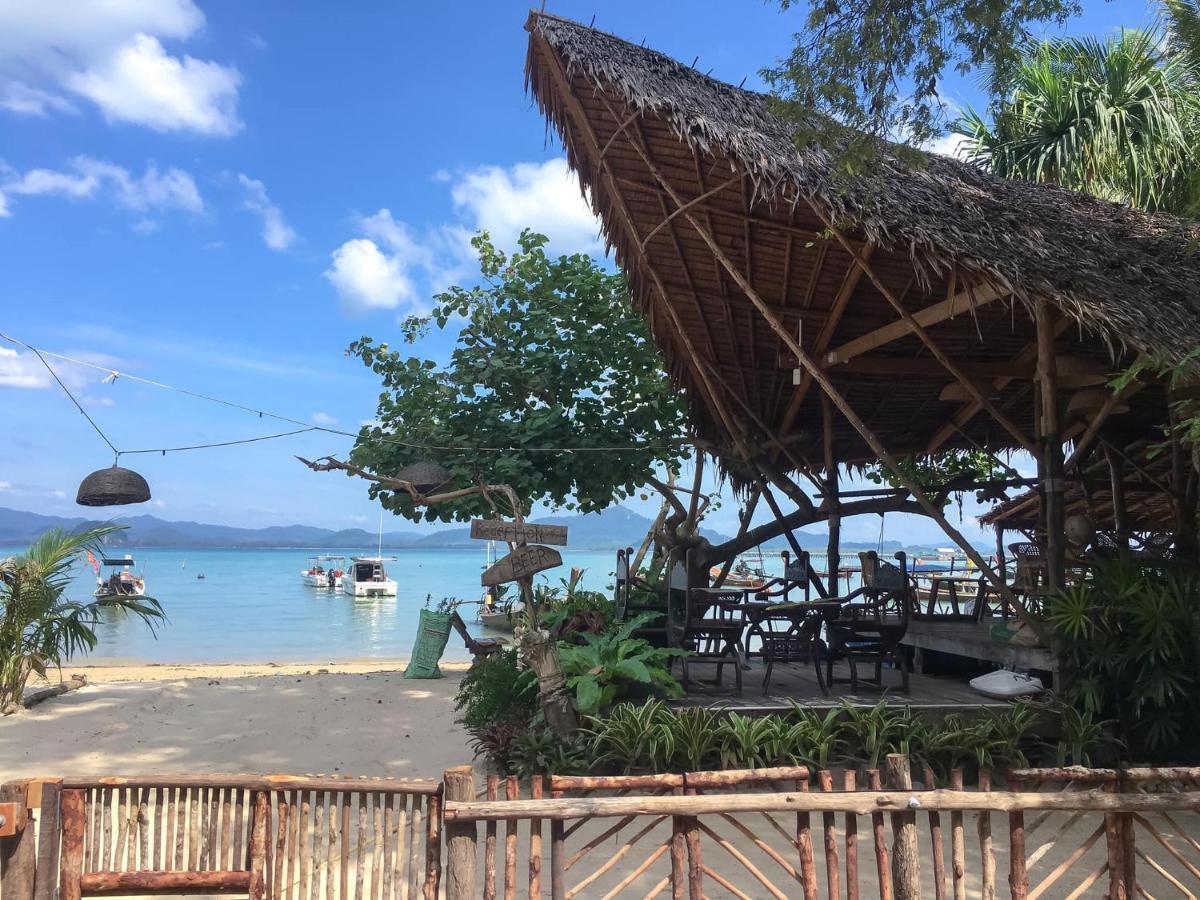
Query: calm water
x,y
252,607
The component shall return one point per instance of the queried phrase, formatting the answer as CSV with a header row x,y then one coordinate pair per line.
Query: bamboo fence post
x,y
212,846
360,848
695,855
958,843
489,843
304,856
144,829
400,877
1128,838
986,851
389,846
906,864
883,867
278,885
18,856
119,860
433,846
535,842
259,827
849,781
74,823
678,855
416,858
195,800
179,828
1018,877
461,837
104,861
935,839
226,859
558,854
344,848
1115,851
512,791
377,850
49,830
808,866
829,830
320,854
241,857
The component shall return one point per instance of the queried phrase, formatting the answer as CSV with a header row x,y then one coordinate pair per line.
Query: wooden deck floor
x,y
799,682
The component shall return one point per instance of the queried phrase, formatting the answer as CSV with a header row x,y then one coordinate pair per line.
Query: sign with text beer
x,y
524,562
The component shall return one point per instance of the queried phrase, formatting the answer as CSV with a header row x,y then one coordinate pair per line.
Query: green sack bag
x,y
433,632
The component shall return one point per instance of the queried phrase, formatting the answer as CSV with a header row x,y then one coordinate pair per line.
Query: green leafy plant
x,y
692,737
743,742
604,665
497,690
1130,652
821,738
572,610
1084,741
634,737
40,627
873,732
539,751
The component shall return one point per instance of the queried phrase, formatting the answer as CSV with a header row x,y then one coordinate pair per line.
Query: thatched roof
x,y
1125,281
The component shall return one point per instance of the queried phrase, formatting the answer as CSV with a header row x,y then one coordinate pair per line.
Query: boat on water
x,y
121,580
366,576
741,575
324,572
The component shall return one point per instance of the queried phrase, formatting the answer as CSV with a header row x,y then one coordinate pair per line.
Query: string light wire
x,y
113,374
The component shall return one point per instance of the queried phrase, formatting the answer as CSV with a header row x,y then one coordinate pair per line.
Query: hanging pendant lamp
x,y
426,477
114,486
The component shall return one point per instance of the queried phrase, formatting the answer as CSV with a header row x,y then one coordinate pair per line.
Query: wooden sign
x,y
521,563
496,530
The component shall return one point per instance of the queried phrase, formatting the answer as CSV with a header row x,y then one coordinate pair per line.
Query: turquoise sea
x,y
252,607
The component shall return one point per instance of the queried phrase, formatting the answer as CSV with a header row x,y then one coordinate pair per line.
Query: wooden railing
x,y
1048,833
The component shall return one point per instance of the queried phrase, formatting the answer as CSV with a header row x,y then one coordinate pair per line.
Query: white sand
x,y
359,719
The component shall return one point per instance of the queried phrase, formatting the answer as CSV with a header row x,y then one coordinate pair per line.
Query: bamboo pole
x,y
304,856
829,831
489,843
535,841
691,837
143,824
986,851
278,885
906,861
512,793
1018,877
259,835
416,868
849,784
558,850
808,866
461,839
433,846
1051,448
883,866
958,846
361,848
834,522
935,838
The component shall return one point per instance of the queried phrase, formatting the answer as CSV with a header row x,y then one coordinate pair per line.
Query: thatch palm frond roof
x,y
1130,281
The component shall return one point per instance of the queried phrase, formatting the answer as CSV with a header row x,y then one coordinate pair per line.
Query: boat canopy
x,y
125,561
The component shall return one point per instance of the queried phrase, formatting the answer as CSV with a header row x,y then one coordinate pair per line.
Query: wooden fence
x,y
1048,833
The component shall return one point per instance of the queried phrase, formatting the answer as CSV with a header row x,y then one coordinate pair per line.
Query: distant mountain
x,y
614,527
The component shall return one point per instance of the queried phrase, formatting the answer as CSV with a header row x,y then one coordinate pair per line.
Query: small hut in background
x,y
817,321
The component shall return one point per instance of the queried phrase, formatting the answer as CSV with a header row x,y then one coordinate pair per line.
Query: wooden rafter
x,y
921,367
962,302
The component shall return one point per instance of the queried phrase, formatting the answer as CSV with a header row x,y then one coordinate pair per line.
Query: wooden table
x,y
759,617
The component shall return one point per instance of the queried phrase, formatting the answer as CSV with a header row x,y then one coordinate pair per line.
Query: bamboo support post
x,y
958,843
433,846
558,852
937,851
535,841
489,843
344,849
830,834
678,855
1115,853
260,824
691,837
834,522
512,792
461,838
1018,877
74,823
849,783
416,860
18,856
361,860
906,865
883,866
304,855
808,866
1051,448
986,850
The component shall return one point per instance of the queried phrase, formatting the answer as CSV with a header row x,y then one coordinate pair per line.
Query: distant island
x,y
614,527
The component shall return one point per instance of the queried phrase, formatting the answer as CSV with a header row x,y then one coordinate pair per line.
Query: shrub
x,y
496,691
604,666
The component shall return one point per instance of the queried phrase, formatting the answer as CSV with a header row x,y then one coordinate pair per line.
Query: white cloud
x,y
947,145
276,232
112,54
86,178
22,370
4,211
383,267
5,485
321,418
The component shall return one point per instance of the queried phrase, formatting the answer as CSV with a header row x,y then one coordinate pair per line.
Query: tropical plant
x,y
1084,741
692,737
1116,117
572,610
539,751
633,737
497,690
1130,651
40,627
604,665
742,741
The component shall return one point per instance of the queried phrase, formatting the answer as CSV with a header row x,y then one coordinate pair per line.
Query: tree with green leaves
x,y
40,628
1117,117
874,65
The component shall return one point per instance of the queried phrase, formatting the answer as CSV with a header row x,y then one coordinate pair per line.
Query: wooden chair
x,y
629,604
706,622
803,645
872,622
762,616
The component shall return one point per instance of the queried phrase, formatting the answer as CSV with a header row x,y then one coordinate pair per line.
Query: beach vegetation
x,y
497,690
41,628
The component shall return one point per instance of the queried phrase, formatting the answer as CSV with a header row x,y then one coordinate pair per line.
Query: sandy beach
x,y
359,718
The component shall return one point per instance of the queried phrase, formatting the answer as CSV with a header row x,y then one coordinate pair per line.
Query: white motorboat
x,y
121,581
324,572
367,577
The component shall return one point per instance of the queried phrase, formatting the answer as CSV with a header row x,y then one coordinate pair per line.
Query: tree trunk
x,y
540,653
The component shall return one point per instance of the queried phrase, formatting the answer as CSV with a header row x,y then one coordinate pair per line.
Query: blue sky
x,y
223,196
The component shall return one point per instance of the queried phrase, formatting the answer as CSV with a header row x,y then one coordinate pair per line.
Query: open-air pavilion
x,y
817,321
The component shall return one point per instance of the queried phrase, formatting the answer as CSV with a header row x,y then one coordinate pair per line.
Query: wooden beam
x,y
921,367
840,303
667,221
961,302
1053,513
969,411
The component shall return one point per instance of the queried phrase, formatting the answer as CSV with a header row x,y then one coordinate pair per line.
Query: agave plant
x,y
40,628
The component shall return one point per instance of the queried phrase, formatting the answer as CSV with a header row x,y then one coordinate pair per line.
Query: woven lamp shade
x,y
426,477
113,486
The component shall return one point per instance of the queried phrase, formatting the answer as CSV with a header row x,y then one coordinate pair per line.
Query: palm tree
x,y
39,627
1118,118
